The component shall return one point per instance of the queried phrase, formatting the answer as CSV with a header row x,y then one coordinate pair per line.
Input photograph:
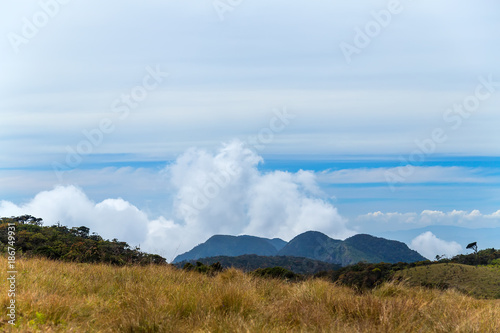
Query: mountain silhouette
x,y
311,244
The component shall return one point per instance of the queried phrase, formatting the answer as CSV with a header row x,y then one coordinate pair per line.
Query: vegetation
x,y
483,257
480,282
251,262
57,296
458,273
75,244
318,246
105,286
201,268
277,273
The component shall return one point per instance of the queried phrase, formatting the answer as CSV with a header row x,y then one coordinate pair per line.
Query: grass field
x,y
66,297
480,282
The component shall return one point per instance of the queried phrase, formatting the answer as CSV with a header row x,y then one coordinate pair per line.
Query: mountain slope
x,y
313,245
318,246
381,249
278,243
223,245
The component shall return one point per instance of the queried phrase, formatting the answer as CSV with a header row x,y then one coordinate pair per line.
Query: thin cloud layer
x,y
472,219
418,174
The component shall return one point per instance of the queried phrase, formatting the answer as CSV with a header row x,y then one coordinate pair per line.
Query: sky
x,y
161,123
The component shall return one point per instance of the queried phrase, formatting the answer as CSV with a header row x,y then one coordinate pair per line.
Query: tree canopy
x,y
69,244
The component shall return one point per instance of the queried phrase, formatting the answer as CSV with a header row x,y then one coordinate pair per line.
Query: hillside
x,y
313,245
224,245
481,281
56,296
381,249
318,246
251,262
69,244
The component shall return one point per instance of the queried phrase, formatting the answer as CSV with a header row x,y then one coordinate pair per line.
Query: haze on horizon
x,y
163,123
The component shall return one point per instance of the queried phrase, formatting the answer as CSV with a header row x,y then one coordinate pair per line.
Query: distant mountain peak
x,y
310,244
227,245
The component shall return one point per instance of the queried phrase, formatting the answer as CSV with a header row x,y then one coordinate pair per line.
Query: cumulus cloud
x,y
224,192
391,217
220,192
111,218
428,245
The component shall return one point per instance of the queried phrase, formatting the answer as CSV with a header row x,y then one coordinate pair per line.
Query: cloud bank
x,y
472,219
220,192
428,245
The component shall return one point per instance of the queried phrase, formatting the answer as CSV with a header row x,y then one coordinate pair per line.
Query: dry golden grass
x,y
65,297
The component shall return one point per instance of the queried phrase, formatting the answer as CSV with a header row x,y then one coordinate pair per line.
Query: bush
x,y
277,273
202,268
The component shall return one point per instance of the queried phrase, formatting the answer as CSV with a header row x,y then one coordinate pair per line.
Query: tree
x,y
28,219
473,246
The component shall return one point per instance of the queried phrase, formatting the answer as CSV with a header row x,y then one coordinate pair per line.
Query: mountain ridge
x,y
310,244
227,245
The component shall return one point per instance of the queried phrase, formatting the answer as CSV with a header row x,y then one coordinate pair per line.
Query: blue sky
x,y
390,107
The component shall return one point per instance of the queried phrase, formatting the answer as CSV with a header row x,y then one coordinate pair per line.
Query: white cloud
x,y
226,193
495,215
472,219
111,218
428,245
221,192
389,218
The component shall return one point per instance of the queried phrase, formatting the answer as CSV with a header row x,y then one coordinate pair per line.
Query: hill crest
x,y
310,244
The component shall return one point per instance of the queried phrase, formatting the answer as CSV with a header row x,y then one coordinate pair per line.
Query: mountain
x,y
278,243
382,250
362,247
224,245
251,262
313,245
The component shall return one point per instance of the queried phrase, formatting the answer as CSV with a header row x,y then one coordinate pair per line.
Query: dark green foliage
x,y
202,268
276,273
365,275
27,220
75,244
252,262
483,257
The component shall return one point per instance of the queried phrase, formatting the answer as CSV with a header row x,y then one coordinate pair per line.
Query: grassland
x,y
68,297
480,282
